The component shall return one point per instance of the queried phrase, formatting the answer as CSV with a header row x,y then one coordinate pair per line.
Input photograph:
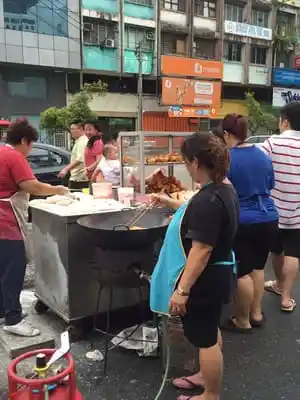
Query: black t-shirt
x,y
212,218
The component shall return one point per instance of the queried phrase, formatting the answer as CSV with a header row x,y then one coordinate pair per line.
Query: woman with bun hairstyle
x,y
252,175
195,273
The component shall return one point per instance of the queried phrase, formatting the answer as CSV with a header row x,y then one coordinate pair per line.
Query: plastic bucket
x,y
102,190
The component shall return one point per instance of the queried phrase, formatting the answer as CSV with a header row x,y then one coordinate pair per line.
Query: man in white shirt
x,y
284,150
78,179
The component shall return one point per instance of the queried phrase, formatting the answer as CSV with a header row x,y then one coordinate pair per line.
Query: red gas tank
x,y
60,387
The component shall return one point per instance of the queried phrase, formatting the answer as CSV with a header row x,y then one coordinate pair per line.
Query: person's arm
x,y
267,147
23,176
36,188
167,201
272,179
68,168
97,176
94,165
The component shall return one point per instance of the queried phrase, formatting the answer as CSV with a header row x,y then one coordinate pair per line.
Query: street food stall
x,y
81,242
74,241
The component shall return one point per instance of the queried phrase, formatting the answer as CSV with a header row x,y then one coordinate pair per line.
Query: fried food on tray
x,y
136,228
129,160
161,183
164,158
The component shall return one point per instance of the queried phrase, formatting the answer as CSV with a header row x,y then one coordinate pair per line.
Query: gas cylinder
x,y
61,386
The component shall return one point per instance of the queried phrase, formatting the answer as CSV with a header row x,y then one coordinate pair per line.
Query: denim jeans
x,y
12,274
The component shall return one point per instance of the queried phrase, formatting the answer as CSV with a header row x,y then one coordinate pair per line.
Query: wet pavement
x,y
261,366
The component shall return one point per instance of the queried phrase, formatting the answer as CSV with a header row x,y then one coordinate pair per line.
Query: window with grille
x,y
173,44
205,8
286,24
233,51
174,5
134,37
234,13
96,32
258,55
260,18
204,48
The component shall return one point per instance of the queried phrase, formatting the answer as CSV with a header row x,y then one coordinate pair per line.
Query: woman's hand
x,y
61,190
161,199
178,304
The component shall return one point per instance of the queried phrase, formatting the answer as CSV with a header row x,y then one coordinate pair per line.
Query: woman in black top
x,y
195,273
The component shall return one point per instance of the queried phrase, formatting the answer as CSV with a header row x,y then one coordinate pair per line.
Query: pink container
x,y
126,195
102,190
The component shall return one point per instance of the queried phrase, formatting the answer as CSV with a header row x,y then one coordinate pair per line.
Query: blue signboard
x,y
286,77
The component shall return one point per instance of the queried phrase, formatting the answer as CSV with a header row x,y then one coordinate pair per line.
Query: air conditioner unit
x,y
149,35
88,27
110,43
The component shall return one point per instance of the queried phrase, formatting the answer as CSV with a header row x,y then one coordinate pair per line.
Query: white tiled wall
x,y
45,50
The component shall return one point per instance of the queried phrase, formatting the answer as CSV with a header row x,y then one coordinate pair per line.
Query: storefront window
x,y
49,17
30,87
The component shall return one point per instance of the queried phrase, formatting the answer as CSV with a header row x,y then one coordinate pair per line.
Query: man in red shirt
x,y
17,182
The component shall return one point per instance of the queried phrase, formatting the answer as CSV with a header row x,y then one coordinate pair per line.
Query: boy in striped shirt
x,y
284,150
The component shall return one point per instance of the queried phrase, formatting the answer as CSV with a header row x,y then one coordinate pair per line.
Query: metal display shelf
x,y
135,145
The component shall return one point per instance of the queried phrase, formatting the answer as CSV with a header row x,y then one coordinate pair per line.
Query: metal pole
x,y
140,88
140,117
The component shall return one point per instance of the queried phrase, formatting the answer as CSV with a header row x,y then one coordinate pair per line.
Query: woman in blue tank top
x,y
252,175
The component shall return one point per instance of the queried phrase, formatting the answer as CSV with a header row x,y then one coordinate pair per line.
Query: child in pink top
x,y
94,147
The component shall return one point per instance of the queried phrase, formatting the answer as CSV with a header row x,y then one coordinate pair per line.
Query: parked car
x,y
47,161
259,139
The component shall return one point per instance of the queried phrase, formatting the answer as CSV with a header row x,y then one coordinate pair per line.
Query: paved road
x,y
262,366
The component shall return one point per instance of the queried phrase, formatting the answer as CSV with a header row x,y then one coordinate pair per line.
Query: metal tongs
x,y
141,212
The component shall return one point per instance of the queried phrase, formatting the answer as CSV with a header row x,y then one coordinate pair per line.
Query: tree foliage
x,y
55,119
258,118
284,33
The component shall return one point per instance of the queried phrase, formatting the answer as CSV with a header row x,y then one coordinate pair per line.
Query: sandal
x,y
231,326
290,308
270,286
258,323
187,384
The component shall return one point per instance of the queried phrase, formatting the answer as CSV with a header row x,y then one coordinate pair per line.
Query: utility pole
x,y
139,54
140,87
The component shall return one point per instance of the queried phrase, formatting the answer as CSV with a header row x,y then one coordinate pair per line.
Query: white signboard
x,y
283,96
253,31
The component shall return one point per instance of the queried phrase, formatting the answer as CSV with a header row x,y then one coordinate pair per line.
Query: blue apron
x,y
170,265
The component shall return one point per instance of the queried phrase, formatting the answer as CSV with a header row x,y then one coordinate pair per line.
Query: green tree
x,y
284,33
55,119
258,118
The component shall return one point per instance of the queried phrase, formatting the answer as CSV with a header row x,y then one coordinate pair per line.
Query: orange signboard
x,y
202,69
188,92
191,112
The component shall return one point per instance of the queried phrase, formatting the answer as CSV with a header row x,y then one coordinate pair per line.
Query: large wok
x,y
110,232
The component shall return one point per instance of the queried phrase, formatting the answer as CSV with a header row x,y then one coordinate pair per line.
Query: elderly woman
x,y
252,176
17,182
194,275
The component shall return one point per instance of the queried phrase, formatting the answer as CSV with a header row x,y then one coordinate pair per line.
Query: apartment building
x,y
50,47
39,44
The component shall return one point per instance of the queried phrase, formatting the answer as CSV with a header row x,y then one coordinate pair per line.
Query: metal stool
x,y
110,280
